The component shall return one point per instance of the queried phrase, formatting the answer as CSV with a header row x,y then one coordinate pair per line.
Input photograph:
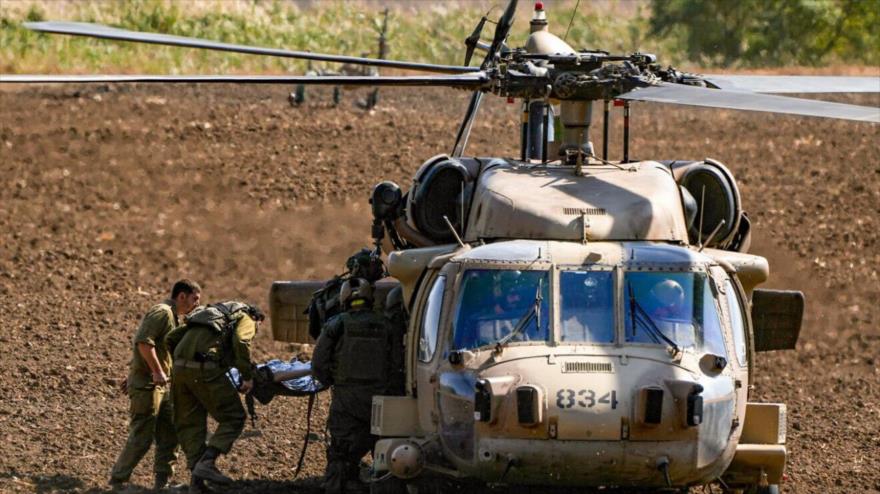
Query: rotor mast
x,y
538,141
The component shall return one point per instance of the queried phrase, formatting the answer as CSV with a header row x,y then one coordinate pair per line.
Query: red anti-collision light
x,y
539,5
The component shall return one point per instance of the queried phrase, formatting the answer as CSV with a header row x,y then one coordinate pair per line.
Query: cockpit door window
x,y
737,323
431,320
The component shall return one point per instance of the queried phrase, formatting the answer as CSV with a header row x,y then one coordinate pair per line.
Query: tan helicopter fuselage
x,y
586,404
590,428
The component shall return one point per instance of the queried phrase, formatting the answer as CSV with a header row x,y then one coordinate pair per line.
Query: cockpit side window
x,y
492,302
586,306
431,320
680,305
737,323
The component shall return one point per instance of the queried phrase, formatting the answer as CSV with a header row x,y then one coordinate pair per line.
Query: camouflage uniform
x,y
151,412
354,354
201,387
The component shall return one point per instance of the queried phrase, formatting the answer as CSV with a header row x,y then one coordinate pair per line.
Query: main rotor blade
x,y
107,32
796,83
502,29
458,81
740,100
464,130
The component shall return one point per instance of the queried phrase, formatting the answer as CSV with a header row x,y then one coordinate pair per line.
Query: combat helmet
x,y
356,291
366,264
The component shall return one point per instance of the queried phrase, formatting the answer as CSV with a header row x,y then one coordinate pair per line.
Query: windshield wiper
x,y
638,314
533,312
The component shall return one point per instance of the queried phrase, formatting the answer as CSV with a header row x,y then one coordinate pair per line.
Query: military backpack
x,y
223,318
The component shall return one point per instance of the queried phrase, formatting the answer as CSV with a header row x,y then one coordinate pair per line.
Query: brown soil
x,y
109,194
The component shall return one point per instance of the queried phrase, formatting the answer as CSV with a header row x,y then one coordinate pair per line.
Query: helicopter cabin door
x,y
429,311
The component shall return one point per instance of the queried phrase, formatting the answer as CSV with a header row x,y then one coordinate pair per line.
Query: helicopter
x,y
574,321
298,96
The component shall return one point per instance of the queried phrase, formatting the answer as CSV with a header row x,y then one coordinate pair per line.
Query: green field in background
x,y
418,30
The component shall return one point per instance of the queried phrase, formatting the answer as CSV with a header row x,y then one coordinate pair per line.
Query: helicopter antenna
x,y
712,235
452,229
570,21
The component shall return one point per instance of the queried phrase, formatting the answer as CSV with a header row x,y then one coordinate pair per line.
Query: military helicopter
x,y
574,321
298,96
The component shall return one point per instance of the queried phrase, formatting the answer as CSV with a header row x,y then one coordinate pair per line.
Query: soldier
x,y
396,313
357,354
150,409
214,339
670,300
326,302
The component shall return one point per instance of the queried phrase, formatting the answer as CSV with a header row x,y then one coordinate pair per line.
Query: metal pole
x,y
546,133
535,132
626,131
524,132
605,130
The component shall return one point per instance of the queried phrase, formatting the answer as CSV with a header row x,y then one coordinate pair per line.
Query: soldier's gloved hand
x,y
246,386
123,386
160,379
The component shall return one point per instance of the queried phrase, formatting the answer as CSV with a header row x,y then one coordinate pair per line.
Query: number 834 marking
x,y
584,398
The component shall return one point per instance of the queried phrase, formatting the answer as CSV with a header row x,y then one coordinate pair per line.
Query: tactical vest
x,y
323,306
363,354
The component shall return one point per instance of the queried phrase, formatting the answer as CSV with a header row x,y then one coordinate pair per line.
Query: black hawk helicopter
x,y
573,321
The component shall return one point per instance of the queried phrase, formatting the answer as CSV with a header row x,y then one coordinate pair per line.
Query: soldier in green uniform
x,y
214,339
150,402
357,354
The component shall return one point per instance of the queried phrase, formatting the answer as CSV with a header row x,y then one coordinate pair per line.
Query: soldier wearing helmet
x,y
670,298
357,355
327,301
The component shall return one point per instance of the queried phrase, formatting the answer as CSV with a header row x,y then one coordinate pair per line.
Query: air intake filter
x,y
652,405
528,405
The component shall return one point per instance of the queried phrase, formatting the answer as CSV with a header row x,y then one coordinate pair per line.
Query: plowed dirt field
x,y
110,194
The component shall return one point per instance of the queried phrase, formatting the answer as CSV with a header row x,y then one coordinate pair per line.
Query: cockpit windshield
x,y
493,301
587,306
680,305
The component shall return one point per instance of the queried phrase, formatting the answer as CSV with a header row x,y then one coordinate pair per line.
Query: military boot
x,y
334,478
205,469
160,481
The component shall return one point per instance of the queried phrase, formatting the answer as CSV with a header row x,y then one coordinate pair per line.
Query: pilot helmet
x,y
592,290
669,293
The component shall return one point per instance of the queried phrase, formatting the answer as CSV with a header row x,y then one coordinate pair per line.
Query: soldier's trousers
x,y
151,420
198,394
350,438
